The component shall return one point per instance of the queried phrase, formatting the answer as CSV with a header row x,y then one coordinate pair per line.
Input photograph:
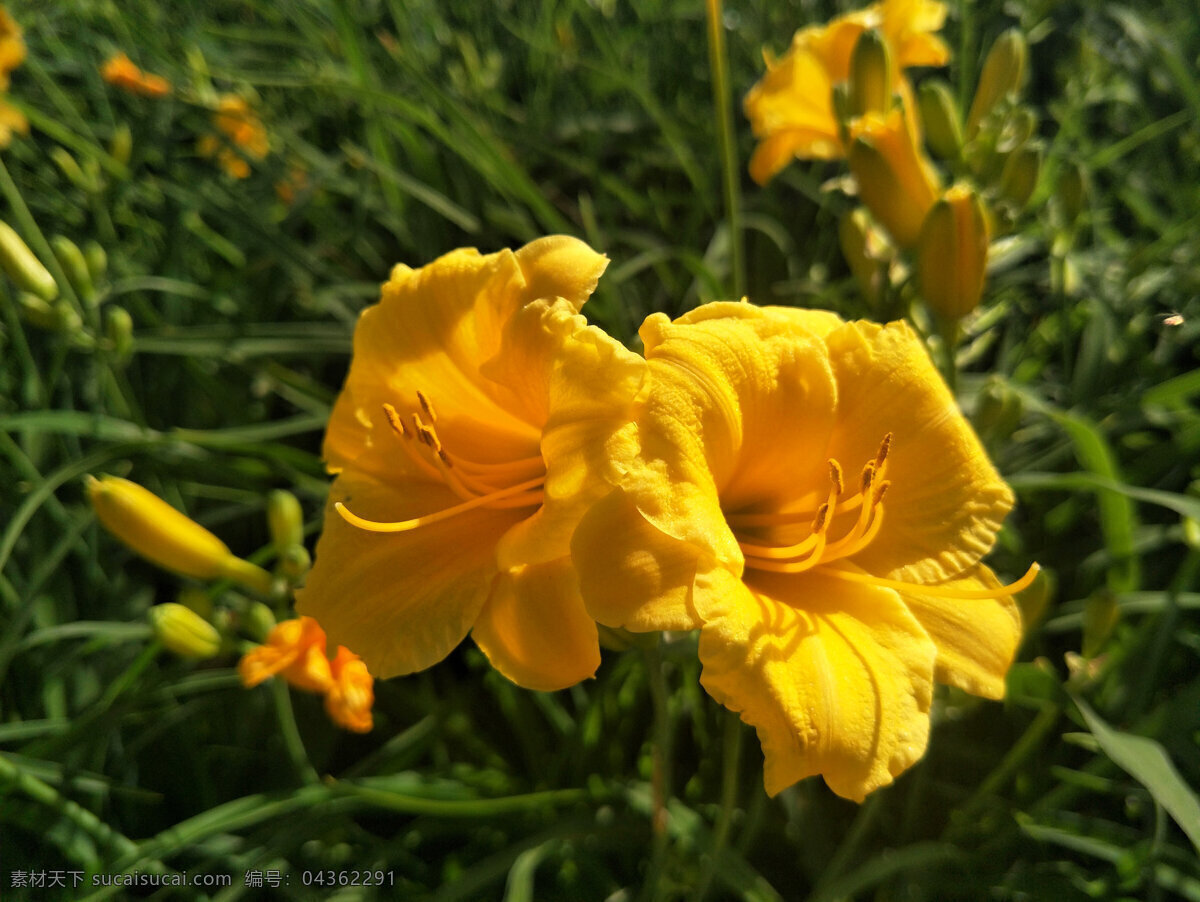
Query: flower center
x,y
511,484
818,548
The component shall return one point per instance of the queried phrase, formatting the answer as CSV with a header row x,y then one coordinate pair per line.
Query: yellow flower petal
x,y
351,693
534,628
976,639
404,600
836,678
559,266
581,384
946,500
631,574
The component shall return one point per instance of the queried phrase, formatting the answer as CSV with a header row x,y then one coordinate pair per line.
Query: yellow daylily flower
x,y
479,419
791,109
295,649
12,47
240,126
349,699
755,510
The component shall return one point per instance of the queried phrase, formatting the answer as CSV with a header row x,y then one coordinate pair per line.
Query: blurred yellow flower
x,y
12,122
295,650
791,109
12,47
241,128
807,494
119,70
479,418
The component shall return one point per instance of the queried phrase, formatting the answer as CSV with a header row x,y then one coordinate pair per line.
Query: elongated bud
x,y
121,146
69,167
118,328
952,253
295,562
163,535
943,131
895,182
19,262
285,520
1191,533
1020,176
97,261
867,253
1072,192
71,259
184,632
870,75
1002,73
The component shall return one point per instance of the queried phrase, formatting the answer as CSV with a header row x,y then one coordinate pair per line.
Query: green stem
x,y
661,780
731,753
725,143
292,743
951,331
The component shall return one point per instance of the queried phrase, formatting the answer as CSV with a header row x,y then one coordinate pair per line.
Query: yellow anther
x,y
395,421
835,473
868,477
884,447
819,520
426,406
881,491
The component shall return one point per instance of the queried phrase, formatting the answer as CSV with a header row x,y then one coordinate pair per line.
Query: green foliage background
x,y
424,126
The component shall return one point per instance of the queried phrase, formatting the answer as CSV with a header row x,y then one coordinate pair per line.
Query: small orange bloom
x,y
352,694
295,650
120,70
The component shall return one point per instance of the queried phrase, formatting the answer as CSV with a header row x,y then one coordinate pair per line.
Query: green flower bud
x,y
71,259
1020,176
97,261
69,167
25,269
118,327
258,620
1003,71
943,131
121,146
285,520
867,253
184,632
952,253
870,75
295,562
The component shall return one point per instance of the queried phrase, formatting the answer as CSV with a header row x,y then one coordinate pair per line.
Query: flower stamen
x,y
523,494
940,591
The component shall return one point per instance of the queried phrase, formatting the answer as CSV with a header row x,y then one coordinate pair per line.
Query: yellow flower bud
x,y
23,267
870,75
952,253
118,328
71,259
285,520
895,182
163,535
1002,73
184,632
1020,176
943,131
69,167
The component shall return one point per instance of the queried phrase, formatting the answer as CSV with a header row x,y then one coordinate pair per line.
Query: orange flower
x,y
295,649
242,128
120,70
352,693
